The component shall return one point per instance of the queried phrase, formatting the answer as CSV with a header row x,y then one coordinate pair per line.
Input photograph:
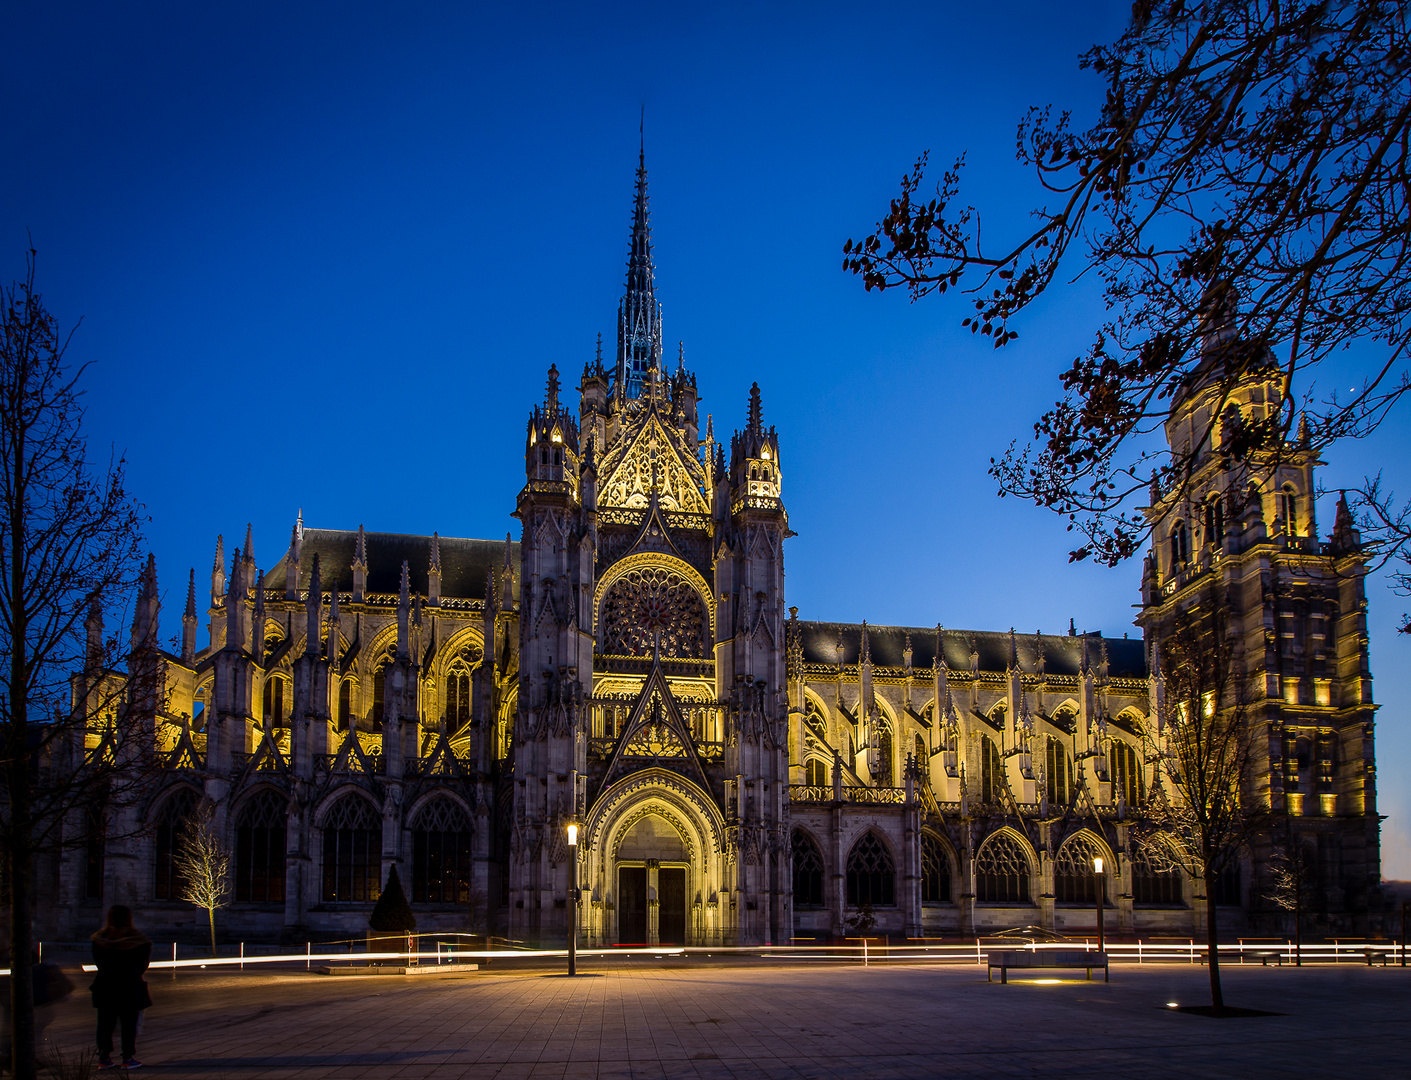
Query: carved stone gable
x,y
650,458
656,735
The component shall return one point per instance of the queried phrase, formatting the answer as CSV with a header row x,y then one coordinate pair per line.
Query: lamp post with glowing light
x,y
573,898
1101,897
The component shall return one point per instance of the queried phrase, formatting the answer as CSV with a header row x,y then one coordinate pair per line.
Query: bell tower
x,y
1235,547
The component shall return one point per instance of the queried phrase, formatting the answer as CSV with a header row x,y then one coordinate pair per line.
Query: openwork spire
x,y
639,314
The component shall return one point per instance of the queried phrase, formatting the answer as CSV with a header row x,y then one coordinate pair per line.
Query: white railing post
x,y
308,955
242,956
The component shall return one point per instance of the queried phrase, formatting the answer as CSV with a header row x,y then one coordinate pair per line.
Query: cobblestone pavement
x,y
761,1020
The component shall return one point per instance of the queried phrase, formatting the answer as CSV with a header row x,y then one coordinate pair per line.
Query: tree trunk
x,y
21,812
1212,942
211,912
21,960
1298,926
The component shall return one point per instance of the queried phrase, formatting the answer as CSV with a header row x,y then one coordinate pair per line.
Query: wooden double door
x,y
634,923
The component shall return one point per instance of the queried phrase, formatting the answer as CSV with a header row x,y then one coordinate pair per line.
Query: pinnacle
x,y
551,393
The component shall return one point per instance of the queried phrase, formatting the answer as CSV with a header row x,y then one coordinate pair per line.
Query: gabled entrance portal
x,y
651,884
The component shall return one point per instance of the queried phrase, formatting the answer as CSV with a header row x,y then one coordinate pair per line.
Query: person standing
x,y
121,953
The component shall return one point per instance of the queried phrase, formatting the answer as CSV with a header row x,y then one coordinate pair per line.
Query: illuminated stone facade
x,y
740,774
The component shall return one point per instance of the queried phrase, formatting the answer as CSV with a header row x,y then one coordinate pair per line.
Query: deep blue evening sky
x,y
325,253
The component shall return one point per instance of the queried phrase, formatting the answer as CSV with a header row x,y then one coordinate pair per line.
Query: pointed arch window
x,y
457,697
1229,887
200,702
1059,772
176,810
922,758
379,696
1156,882
352,851
1128,773
1215,521
345,704
990,774
277,702
1180,544
1288,509
816,773
441,854
872,876
935,871
260,849
808,871
1074,876
1002,872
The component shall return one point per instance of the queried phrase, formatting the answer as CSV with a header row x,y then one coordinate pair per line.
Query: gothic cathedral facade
x,y
738,774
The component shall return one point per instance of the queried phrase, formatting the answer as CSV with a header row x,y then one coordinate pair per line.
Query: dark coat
x,y
121,956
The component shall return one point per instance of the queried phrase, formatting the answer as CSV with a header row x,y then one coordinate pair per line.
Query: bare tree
x,y
1293,880
203,861
1205,823
1251,166
68,550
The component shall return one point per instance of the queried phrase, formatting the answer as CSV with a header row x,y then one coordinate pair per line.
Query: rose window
x,y
650,605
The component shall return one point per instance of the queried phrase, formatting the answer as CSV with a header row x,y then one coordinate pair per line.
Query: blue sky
x,y
324,255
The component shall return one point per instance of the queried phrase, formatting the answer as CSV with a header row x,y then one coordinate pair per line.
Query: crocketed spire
x,y
639,314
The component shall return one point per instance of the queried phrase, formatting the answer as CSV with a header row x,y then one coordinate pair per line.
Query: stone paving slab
x,y
642,1021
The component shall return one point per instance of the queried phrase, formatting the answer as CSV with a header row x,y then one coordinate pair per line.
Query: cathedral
x,y
739,774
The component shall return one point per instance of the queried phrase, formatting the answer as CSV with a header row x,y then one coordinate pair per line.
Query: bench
x,y
1264,956
1046,958
1372,953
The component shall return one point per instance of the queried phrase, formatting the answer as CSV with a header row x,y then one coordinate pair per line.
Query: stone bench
x,y
1046,958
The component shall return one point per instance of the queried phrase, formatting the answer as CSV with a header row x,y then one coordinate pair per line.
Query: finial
x,y
865,653
600,350
250,544
360,548
191,595
680,357
220,553
436,552
756,413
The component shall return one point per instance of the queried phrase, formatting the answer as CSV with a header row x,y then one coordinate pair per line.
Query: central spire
x,y
639,314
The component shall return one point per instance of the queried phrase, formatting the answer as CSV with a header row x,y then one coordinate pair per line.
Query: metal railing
x,y
448,948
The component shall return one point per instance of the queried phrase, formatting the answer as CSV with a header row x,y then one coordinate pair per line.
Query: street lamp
x,y
573,898
1101,897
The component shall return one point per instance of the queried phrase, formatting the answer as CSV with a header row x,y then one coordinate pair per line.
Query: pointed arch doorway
x,y
655,863
652,866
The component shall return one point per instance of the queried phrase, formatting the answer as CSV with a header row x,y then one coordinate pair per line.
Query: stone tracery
x,y
651,605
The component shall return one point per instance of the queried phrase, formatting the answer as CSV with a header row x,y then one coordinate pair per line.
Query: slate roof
x,y
1126,657
464,563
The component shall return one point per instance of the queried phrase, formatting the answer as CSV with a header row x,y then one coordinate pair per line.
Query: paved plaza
x,y
768,1019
